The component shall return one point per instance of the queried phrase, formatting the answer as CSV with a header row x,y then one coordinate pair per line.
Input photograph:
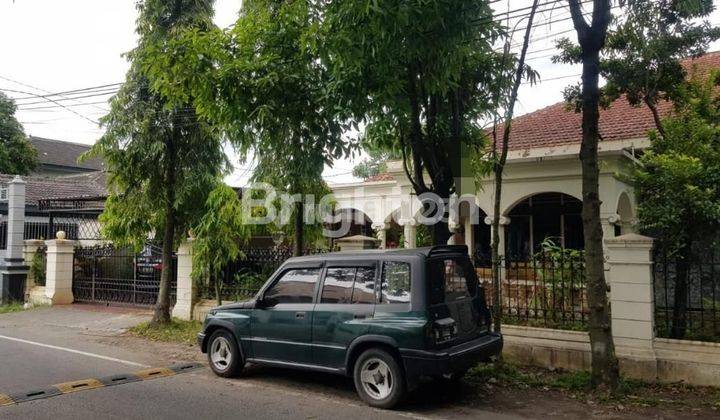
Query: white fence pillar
x,y
59,274
183,308
13,271
632,304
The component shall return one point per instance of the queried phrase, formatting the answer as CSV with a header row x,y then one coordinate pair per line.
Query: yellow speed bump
x,y
5,400
75,386
153,373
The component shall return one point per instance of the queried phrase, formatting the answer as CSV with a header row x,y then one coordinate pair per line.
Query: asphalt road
x,y
46,346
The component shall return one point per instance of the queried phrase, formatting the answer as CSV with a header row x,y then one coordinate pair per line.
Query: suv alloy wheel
x,y
379,380
224,355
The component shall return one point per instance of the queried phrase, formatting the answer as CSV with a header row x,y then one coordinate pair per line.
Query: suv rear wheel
x,y
224,355
379,380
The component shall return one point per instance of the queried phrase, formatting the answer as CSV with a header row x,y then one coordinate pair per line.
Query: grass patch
x,y
11,307
177,331
578,385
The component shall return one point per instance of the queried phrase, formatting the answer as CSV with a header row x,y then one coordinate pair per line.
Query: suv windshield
x,y
451,279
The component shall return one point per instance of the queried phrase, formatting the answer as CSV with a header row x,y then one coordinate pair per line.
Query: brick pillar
x,y
59,271
183,308
632,304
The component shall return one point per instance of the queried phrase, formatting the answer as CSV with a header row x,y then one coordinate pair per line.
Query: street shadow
x,y
428,396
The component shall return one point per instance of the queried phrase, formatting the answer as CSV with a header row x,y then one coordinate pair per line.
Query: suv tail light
x,y
444,330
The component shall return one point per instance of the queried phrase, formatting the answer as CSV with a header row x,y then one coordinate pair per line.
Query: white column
x,y
13,271
632,304
59,274
16,220
183,308
410,233
381,233
470,235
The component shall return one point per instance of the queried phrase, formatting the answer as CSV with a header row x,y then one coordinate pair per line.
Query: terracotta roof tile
x,y
556,126
380,177
39,188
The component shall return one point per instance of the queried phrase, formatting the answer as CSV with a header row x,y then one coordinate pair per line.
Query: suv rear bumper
x,y
457,359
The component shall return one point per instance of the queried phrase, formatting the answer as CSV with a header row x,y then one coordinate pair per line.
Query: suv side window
x,y
364,289
338,286
349,285
294,286
395,284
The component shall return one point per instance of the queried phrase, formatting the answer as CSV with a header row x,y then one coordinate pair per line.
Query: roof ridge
x,y
31,137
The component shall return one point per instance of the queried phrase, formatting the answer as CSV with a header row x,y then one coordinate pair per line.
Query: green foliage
x,y
262,82
376,162
643,50
12,307
37,267
219,235
647,42
678,183
420,74
17,155
162,159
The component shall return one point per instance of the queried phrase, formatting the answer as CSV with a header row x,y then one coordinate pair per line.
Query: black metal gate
x,y
106,274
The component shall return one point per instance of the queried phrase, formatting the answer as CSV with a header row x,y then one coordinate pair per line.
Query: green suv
x,y
388,318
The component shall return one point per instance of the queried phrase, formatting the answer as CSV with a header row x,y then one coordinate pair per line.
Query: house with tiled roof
x,y
542,181
85,193
58,158
60,177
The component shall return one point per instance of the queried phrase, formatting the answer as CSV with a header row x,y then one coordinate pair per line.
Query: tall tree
x,y
646,44
17,155
261,80
678,185
421,75
591,37
163,160
499,151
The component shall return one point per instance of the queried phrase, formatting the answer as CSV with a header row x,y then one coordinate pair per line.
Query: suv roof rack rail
x,y
448,249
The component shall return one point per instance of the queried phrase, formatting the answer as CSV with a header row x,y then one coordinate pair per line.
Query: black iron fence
x,y
547,290
243,278
118,275
77,226
687,297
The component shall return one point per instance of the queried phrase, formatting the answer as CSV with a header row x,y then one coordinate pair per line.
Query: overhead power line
x,y
51,100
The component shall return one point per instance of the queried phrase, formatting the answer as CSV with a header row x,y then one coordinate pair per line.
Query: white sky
x,y
55,46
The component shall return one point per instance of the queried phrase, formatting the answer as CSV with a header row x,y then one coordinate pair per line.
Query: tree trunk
x,y
299,230
656,117
680,297
604,362
162,307
499,167
440,233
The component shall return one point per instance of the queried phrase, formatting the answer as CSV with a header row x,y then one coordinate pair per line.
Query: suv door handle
x,y
359,316
300,315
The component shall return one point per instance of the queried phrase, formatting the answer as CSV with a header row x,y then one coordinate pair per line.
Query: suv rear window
x,y
451,279
395,284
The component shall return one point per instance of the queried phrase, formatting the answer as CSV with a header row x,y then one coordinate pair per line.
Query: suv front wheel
x,y
379,380
224,355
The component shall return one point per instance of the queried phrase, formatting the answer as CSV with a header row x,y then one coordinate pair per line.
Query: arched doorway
x,y
540,217
625,213
351,222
